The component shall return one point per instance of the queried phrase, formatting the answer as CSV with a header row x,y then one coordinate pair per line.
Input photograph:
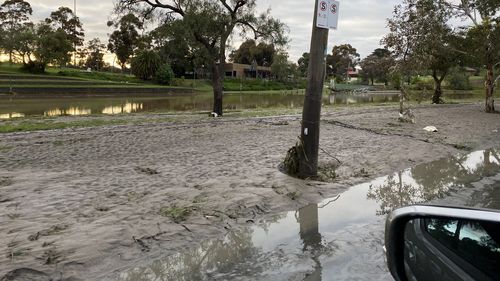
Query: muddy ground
x,y
86,204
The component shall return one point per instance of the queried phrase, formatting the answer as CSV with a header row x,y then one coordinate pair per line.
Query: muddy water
x,y
339,239
21,107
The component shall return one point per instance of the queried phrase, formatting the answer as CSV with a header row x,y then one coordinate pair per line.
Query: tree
x,y
24,38
483,39
343,57
124,41
174,49
211,24
13,15
303,64
65,20
377,66
146,64
280,66
51,46
249,51
421,39
95,57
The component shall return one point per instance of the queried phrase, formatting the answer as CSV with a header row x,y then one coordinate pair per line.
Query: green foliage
x,y
52,46
377,66
95,58
395,80
458,80
342,57
177,214
164,75
65,20
421,83
124,41
303,64
14,14
262,85
146,64
249,51
33,67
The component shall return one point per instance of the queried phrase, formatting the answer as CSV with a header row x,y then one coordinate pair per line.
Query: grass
x,y
177,214
41,125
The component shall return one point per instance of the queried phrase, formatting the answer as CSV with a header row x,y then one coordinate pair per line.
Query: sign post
x,y
325,17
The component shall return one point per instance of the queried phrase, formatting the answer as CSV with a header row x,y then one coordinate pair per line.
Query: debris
x,y
431,129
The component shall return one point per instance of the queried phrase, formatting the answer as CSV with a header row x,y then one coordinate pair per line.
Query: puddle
x,y
340,238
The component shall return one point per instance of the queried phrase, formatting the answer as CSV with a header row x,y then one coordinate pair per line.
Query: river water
x,y
340,238
16,107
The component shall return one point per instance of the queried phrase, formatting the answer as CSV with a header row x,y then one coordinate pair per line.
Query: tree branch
x,y
159,4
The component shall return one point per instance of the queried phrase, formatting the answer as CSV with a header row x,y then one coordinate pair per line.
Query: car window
x,y
478,243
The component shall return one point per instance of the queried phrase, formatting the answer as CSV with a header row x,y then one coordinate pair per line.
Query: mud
x,y
92,198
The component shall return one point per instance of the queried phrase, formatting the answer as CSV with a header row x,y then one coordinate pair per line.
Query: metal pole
x,y
308,160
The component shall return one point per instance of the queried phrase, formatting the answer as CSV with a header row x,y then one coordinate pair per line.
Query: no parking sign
x,y
328,14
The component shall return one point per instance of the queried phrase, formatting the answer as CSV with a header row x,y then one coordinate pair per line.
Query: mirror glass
x,y
452,249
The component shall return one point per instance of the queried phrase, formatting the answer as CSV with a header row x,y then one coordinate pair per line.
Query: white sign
x,y
328,14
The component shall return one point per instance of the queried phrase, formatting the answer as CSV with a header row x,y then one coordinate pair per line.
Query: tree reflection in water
x,y
434,180
236,256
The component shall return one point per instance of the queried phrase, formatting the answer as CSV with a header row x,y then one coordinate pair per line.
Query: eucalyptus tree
x,y
13,15
249,51
95,58
377,66
64,19
126,39
420,40
342,57
483,39
211,23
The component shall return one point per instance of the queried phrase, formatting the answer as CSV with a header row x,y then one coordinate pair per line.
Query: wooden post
x,y
308,159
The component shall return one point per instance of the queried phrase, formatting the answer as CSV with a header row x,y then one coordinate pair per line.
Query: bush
x,y
33,67
458,81
419,83
145,65
165,74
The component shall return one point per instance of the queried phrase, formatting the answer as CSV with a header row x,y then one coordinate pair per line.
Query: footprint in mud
x,y
6,181
147,171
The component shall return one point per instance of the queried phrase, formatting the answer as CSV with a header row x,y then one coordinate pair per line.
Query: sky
x,y
362,23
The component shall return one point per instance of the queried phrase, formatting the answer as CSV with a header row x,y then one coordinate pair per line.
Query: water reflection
x,y
11,115
122,109
72,111
341,238
181,102
434,180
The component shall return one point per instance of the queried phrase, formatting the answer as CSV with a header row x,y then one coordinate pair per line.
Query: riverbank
x,y
89,203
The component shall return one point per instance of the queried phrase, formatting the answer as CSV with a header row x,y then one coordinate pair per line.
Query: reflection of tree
x,y
433,180
393,193
311,238
195,264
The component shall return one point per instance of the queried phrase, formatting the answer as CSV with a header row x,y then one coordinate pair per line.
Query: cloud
x,y
362,23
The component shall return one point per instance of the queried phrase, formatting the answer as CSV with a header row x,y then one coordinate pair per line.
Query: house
x,y
237,70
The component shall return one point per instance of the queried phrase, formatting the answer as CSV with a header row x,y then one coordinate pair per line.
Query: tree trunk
x,y
490,87
438,92
218,84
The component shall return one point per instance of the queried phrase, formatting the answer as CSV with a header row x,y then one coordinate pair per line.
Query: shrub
x,y
458,81
165,74
146,64
33,67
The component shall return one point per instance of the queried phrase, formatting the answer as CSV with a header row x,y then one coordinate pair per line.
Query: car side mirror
x,y
443,243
